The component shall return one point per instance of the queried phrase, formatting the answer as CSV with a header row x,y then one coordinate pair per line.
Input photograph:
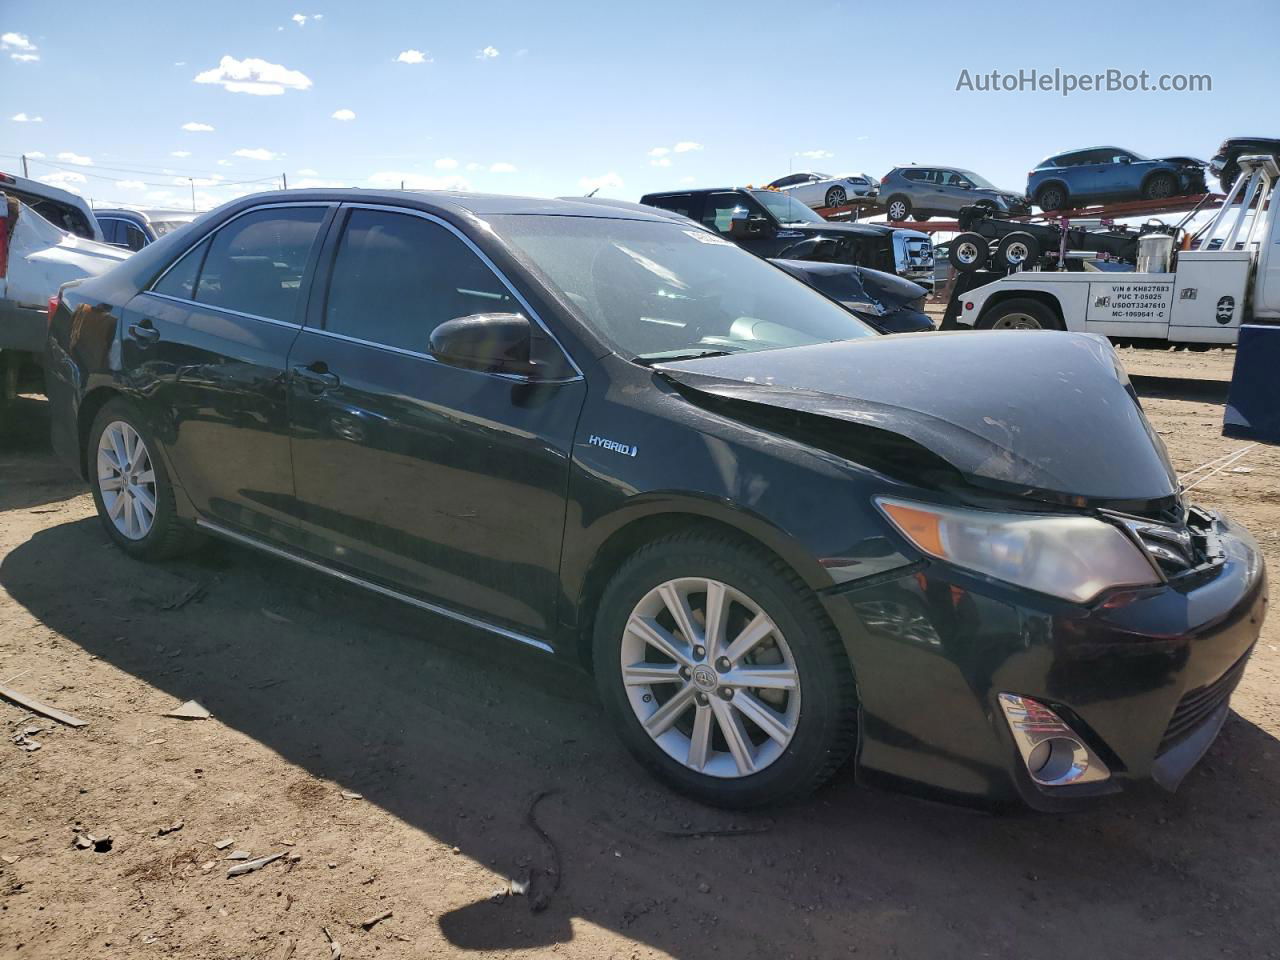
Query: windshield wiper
x,y
671,356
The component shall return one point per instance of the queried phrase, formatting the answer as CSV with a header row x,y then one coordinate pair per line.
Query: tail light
x,y
53,306
884,179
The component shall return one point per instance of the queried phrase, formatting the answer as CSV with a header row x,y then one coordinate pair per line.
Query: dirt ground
x,y
320,694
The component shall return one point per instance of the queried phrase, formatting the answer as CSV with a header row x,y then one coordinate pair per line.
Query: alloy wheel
x,y
710,677
126,480
897,211
836,197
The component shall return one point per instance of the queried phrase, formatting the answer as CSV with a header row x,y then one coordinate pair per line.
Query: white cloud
x,y
66,179
413,56
488,53
180,63
315,183
258,153
254,76
607,181
131,185
308,172
446,163
317,16
180,153
684,146
815,154
192,127
300,19
35,155
659,151
473,165
199,181
224,163
391,180
502,167
24,118
343,114
16,41
660,161
78,159
24,57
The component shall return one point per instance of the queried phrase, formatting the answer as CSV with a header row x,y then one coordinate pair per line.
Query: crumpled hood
x,y
1016,412
43,257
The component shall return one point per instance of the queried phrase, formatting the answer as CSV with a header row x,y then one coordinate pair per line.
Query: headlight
x,y
1074,558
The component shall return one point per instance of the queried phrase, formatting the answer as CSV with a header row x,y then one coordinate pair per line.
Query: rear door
x,y
447,483
208,344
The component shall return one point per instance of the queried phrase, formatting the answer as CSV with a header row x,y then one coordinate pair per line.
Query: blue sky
x,y
557,97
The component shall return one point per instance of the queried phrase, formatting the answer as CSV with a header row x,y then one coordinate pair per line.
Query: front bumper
x,y
1144,677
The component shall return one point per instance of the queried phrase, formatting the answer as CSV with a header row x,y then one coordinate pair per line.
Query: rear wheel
x,y
1019,314
898,208
1160,186
1052,197
131,487
1227,178
969,252
722,673
1016,250
836,197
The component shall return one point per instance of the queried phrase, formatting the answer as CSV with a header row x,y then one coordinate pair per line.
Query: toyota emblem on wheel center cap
x,y
705,678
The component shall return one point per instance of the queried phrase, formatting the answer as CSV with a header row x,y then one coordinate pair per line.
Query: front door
x,y
718,213
445,482
208,343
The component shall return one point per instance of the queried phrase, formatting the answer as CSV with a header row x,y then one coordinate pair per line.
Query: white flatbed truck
x,y
1199,296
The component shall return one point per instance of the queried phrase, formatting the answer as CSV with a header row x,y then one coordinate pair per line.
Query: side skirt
x,y
240,538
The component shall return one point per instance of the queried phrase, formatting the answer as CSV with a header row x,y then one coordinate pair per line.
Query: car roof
x,y
476,204
693,190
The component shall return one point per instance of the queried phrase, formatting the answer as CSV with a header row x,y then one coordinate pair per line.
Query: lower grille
x,y
1198,705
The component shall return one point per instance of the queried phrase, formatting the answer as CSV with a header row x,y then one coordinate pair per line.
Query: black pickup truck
x,y
775,225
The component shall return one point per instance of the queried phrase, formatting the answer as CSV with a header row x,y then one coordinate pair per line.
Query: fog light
x,y
1054,754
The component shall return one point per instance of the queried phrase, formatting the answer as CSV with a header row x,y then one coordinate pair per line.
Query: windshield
x,y
786,207
981,183
664,290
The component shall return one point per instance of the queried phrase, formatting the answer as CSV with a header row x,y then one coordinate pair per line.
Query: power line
x,y
215,180
144,170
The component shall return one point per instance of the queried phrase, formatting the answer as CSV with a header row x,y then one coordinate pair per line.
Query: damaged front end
x,y
1077,625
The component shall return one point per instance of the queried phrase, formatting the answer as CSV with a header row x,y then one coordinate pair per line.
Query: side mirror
x,y
493,342
744,225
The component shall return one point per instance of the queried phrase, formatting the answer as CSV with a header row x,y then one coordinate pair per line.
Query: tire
x,y
898,204
1020,313
969,252
1160,186
125,515
814,724
1017,250
836,197
1052,196
921,217
1227,178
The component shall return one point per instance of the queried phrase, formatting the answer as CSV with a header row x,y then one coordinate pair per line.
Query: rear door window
x,y
256,263
180,279
396,277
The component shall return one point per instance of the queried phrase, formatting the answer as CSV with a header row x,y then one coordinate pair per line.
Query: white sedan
x,y
823,190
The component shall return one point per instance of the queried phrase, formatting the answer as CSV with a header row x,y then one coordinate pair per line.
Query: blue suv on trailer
x,y
1101,174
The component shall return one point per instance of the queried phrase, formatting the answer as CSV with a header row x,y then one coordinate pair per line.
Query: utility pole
x,y
24,166
284,178
193,194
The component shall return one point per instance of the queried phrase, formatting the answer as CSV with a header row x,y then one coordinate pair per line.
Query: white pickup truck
x,y
36,258
1197,296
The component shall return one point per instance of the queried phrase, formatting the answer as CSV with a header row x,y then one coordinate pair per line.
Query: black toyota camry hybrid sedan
x,y
779,539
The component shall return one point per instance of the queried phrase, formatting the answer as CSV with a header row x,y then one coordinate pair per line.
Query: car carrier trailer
x,y
1193,296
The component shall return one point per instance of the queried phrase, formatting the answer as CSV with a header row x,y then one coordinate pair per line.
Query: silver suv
x,y
924,192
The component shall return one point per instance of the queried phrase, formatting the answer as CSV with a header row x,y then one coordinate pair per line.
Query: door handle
x,y
316,375
144,333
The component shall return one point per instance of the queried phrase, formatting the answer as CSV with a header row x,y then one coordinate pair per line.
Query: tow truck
x,y
1225,275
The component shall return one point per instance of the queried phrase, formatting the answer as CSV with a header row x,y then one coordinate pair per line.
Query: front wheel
x,y
1160,186
131,487
722,673
969,252
836,197
1051,198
